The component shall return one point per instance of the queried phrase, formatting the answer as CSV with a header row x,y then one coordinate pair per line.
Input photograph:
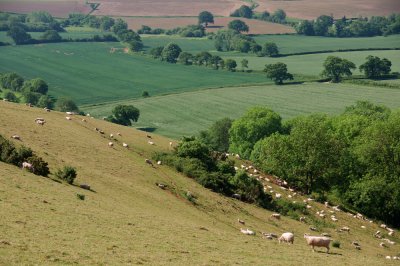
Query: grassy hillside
x,y
129,220
204,107
92,73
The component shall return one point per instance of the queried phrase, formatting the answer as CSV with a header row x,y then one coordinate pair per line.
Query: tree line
x,y
352,159
361,27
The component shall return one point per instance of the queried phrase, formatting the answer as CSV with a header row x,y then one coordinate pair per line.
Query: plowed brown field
x,y
166,7
56,8
256,26
309,9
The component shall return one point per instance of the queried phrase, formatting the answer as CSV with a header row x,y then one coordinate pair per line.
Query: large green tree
x,y
51,35
217,136
12,81
270,49
257,123
64,104
171,53
238,26
124,115
36,85
19,35
375,67
206,17
335,68
230,65
278,72
243,11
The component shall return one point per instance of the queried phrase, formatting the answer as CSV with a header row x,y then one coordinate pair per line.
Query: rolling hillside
x,y
127,219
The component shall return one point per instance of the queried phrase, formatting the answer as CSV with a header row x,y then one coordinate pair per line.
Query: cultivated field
x,y
127,219
312,64
95,73
58,8
255,26
202,108
166,7
310,9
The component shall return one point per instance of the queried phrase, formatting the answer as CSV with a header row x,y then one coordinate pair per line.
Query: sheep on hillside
x,y
318,241
286,237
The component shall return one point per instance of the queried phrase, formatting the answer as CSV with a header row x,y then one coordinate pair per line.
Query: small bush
x,y
68,174
336,244
80,196
40,167
145,94
293,210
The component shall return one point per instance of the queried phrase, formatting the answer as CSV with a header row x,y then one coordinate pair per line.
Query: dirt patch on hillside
x,y
56,8
309,9
256,26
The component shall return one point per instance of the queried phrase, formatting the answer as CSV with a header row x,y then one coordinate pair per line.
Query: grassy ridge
x,y
204,107
90,73
129,220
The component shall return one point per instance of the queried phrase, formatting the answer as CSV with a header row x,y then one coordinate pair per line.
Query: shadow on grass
x,y
147,129
330,253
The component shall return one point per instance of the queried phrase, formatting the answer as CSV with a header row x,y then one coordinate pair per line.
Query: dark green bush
x,y
39,165
336,244
80,196
68,173
293,210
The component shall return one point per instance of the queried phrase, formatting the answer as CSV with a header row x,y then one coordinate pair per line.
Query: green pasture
x,y
72,32
312,64
90,73
188,113
287,43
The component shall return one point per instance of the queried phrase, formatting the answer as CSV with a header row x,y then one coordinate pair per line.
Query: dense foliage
x,y
11,154
124,115
335,68
68,173
375,67
277,72
361,27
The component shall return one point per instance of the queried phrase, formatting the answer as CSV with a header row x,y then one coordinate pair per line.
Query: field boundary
x,y
338,51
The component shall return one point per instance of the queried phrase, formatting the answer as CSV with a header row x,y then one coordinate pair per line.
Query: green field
x,y
90,73
74,33
202,108
312,64
286,43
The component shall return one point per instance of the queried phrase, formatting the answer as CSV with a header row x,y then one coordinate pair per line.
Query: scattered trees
x,y
68,173
19,35
244,63
238,26
270,49
376,67
206,17
335,68
51,36
65,104
11,81
278,72
124,115
230,64
243,11
217,136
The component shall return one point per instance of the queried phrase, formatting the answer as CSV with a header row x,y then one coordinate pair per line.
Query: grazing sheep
x,y
83,120
326,204
85,186
388,257
111,136
318,241
286,237
151,143
313,228
16,137
162,186
241,221
377,234
40,122
28,166
326,234
247,232
148,136
236,196
149,162
68,118
345,229
382,245
276,216
322,215
70,113
336,208
101,132
355,243
308,206
334,219
159,162
278,196
363,226
170,143
302,219
237,156
125,145
110,144
384,226
391,233
119,134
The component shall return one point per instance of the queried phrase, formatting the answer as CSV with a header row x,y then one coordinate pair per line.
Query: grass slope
x,y
128,220
90,73
204,107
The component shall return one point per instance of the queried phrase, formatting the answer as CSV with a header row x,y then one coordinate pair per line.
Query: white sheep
x,y
334,219
276,216
247,232
345,228
286,237
68,118
16,137
111,135
26,165
278,196
110,144
125,145
241,221
159,162
318,241
302,219
391,233
151,143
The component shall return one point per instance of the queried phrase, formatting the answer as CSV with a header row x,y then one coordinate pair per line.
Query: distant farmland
x,y
202,108
310,9
93,73
255,26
